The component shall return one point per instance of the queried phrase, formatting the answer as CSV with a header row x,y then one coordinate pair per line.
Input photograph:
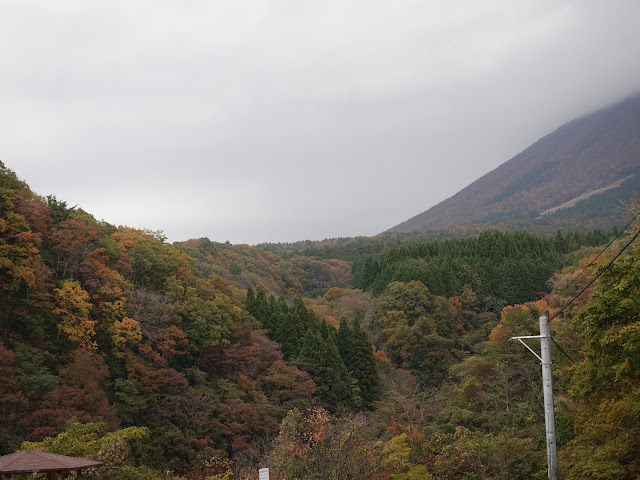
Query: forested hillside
x,y
115,326
382,358
246,266
513,267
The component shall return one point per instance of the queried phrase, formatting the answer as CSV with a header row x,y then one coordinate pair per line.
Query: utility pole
x,y
547,390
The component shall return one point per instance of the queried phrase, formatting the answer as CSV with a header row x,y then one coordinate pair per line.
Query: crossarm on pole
x,y
527,346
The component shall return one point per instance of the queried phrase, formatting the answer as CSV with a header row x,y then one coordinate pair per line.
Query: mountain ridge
x,y
555,169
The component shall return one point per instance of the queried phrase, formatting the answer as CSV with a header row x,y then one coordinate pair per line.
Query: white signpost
x,y
263,474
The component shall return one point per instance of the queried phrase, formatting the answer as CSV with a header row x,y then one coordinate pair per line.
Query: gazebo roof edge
x,y
36,461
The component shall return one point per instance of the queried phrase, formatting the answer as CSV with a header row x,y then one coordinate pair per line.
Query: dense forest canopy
x,y
382,358
513,267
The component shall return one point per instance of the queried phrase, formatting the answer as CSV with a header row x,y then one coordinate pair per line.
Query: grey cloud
x,y
282,120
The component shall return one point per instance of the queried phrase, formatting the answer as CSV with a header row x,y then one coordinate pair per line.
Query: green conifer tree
x,y
344,340
292,330
321,359
362,365
251,298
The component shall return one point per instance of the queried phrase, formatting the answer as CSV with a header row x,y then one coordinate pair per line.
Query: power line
x,y
596,276
600,273
562,350
604,249
624,229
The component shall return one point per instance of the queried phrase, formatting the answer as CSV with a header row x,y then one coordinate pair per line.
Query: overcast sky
x,y
283,120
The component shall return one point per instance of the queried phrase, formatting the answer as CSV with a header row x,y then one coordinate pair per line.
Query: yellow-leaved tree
x,y
73,306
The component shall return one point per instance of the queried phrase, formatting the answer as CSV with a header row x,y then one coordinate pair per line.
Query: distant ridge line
x,y
584,157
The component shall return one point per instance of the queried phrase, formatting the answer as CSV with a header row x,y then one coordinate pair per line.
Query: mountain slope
x,y
590,153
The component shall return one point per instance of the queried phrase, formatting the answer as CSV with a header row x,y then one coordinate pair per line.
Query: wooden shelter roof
x,y
35,461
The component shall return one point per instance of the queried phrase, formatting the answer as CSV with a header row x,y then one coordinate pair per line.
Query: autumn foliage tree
x,y
74,307
311,445
606,382
13,403
93,440
24,277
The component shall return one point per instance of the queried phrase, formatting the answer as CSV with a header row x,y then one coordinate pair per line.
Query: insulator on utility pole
x,y
547,390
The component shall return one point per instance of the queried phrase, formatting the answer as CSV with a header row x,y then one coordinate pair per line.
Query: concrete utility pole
x,y
547,390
